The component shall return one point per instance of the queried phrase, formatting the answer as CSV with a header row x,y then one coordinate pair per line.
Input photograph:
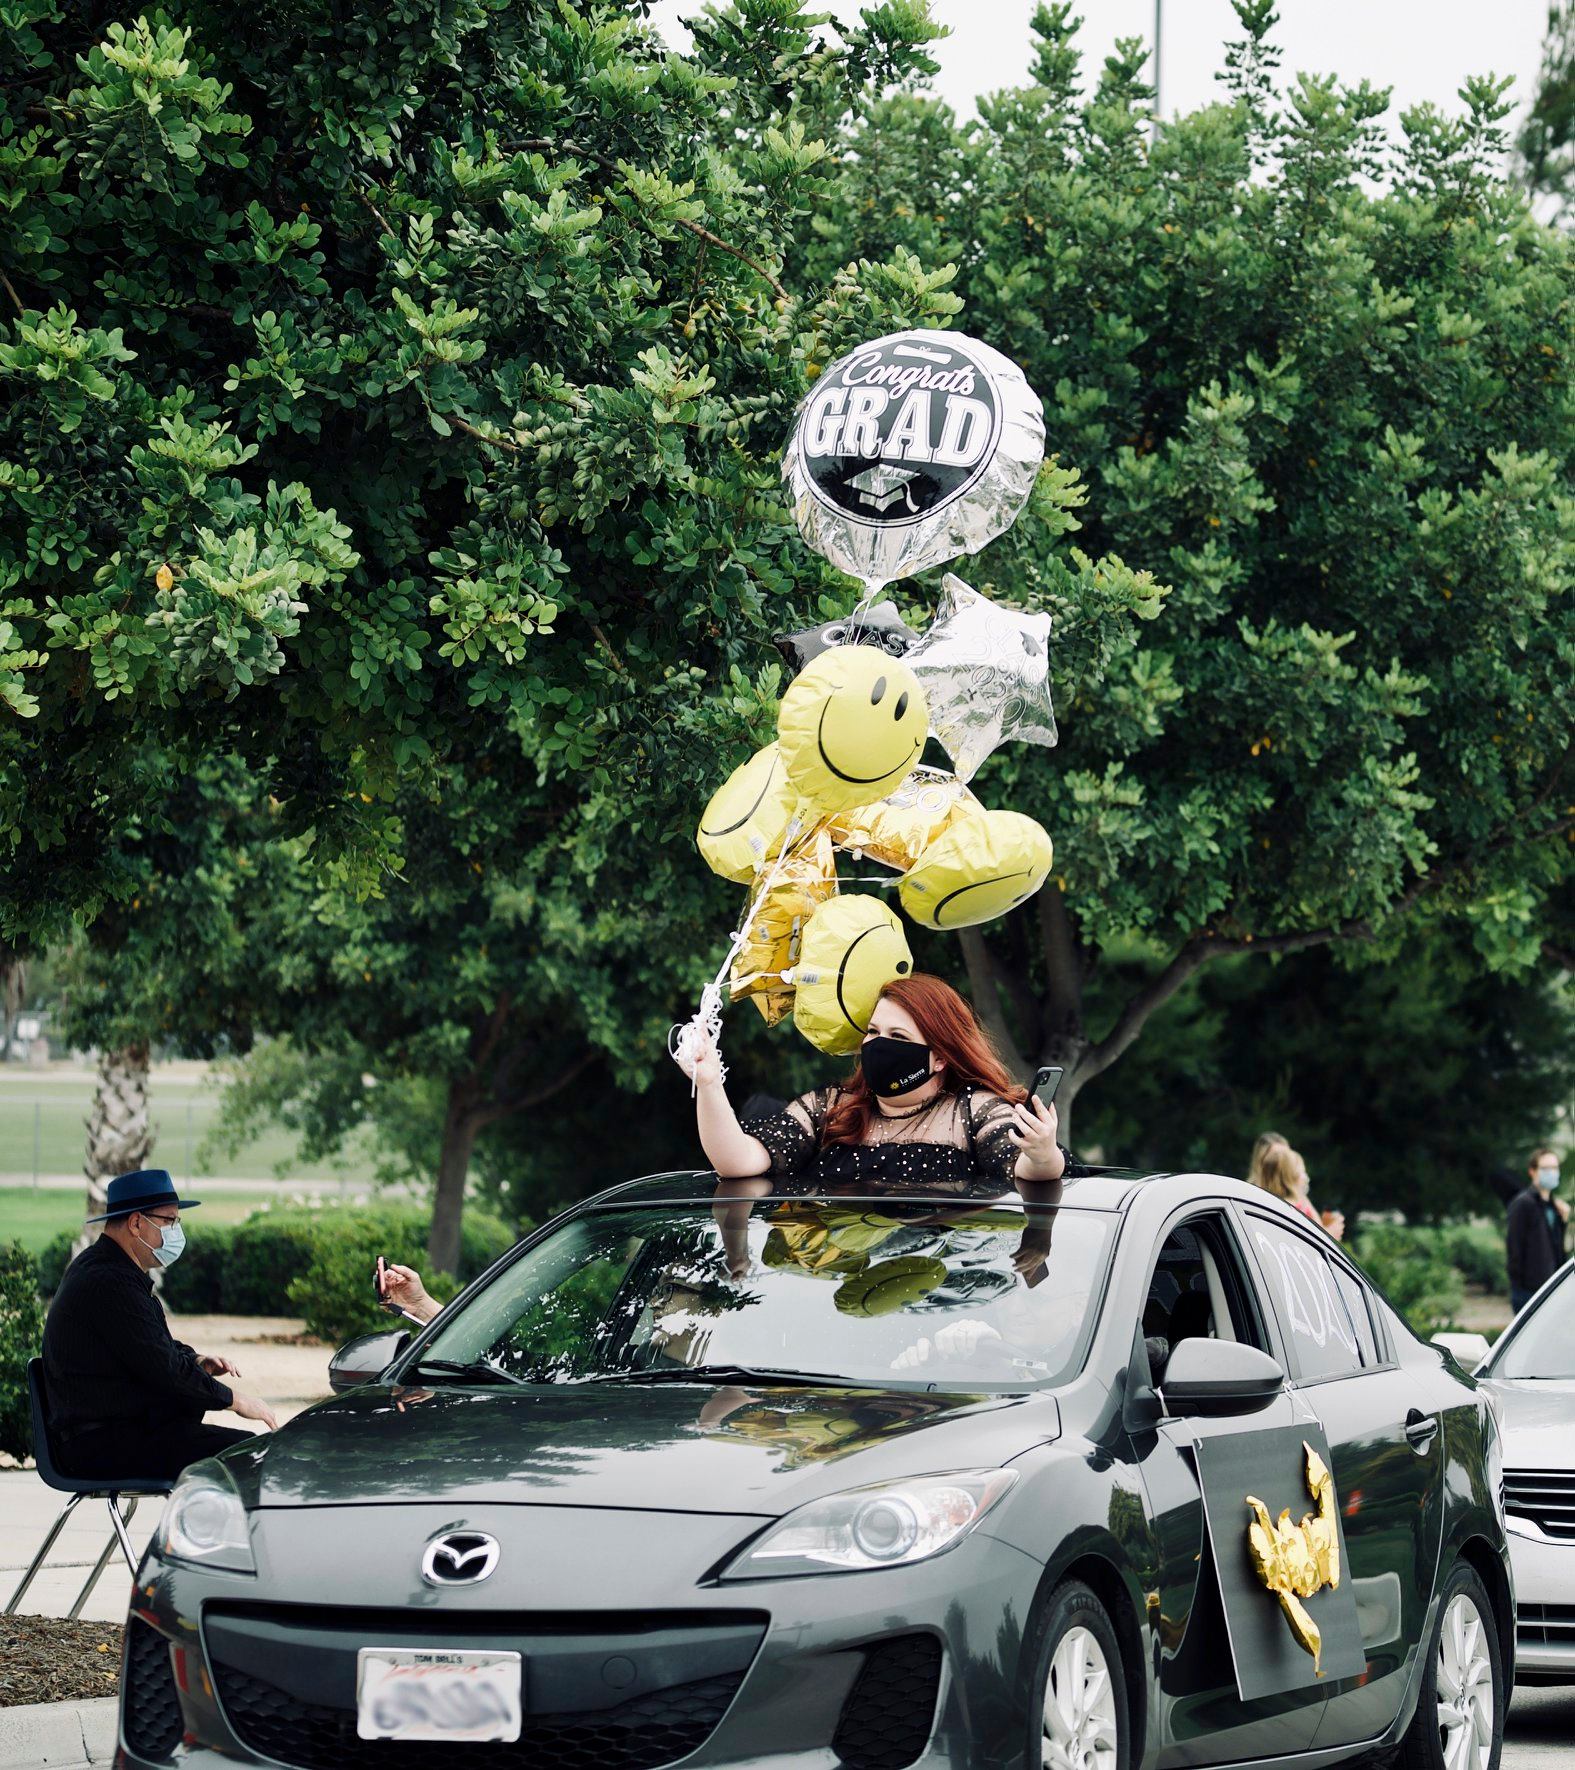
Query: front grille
x,y
652,1729
1545,1625
1546,1496
890,1710
150,1703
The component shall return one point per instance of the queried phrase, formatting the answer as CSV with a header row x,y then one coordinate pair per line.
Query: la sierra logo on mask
x,y
899,428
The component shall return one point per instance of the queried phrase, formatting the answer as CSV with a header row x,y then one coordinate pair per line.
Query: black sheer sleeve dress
x,y
957,1143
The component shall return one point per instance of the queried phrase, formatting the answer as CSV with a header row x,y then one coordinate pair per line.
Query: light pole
x,y
1159,27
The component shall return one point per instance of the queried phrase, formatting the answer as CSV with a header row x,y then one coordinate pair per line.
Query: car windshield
x,y
992,1297
1544,1345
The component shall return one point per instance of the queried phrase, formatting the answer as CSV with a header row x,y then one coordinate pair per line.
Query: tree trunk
x,y
119,1137
462,1119
13,992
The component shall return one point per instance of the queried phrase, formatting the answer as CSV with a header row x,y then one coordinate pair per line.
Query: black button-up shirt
x,y
109,1356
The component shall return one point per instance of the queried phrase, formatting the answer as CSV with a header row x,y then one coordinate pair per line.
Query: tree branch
x,y
1063,964
533,1097
539,144
16,300
1209,945
983,980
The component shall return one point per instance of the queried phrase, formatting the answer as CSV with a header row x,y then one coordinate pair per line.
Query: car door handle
x,y
1420,1429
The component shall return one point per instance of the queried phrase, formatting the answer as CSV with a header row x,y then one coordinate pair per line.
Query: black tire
x,y
1073,1607
1424,1745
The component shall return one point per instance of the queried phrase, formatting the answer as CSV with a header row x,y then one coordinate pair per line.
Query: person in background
x,y
125,1396
1277,1168
1534,1230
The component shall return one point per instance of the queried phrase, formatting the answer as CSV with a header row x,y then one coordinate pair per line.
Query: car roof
x,y
1086,1188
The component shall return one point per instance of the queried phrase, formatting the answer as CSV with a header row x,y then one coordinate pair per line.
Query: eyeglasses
x,y
165,1220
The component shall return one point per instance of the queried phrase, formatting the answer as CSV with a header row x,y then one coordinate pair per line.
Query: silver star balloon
x,y
985,672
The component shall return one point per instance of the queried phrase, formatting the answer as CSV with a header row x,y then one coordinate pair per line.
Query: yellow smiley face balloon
x,y
889,1285
850,949
980,868
743,826
852,725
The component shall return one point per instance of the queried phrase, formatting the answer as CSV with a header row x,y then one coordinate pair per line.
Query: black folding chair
x,y
97,1488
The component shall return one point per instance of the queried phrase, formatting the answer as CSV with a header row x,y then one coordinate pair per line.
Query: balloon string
x,y
706,1021
872,589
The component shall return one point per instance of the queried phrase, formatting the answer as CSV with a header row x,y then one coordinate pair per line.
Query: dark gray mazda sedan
x,y
1147,1475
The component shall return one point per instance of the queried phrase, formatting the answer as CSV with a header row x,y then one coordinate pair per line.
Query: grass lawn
x,y
42,1114
36,1217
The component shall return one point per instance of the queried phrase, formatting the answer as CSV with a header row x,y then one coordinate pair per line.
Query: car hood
x,y
678,1447
1539,1420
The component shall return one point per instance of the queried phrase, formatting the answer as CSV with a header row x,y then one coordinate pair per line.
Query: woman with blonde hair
x,y
1278,1169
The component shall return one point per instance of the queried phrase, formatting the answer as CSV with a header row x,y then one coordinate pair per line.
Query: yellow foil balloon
x,y
853,723
801,885
743,825
980,868
896,830
851,949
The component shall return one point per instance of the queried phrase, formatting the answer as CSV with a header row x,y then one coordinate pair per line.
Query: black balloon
x,y
878,625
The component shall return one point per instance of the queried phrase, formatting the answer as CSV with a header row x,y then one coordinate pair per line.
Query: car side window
x,y
1197,1291
1358,1307
1315,1322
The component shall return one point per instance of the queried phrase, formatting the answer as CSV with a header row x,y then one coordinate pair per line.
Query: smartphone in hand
x,y
1047,1081
380,1279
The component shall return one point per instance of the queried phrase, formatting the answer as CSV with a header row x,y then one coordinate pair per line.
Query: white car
x,y
1530,1374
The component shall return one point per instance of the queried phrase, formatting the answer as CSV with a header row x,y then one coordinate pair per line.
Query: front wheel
x,y
1079,1719
1459,1720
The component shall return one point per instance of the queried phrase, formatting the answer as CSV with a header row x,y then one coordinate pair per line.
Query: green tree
x,y
1407,1085
341,420
1337,419
1545,146
176,964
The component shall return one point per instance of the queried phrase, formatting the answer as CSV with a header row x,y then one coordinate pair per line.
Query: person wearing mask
x,y
929,1105
125,1396
1278,1169
1535,1229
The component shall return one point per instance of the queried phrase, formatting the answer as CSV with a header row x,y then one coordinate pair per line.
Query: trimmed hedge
x,y
21,1335
314,1262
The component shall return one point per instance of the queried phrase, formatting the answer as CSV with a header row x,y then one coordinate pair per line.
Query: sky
x,y
1424,49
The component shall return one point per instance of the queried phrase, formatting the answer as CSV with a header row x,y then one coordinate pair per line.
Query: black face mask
x,y
894,1066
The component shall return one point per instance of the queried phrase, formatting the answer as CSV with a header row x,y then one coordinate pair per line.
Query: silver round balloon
x,y
910,450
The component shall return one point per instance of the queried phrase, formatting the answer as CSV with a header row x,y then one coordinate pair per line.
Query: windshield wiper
x,y
730,1373
476,1368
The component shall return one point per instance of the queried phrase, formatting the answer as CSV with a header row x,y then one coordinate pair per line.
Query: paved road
x,y
1541,1730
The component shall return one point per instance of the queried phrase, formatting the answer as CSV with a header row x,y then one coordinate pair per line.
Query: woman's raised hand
x,y
1034,1130
698,1057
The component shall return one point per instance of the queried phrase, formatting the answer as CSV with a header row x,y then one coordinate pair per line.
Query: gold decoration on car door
x,y
1295,1560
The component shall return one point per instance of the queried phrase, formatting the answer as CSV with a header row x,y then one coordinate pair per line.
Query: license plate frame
x,y
438,1694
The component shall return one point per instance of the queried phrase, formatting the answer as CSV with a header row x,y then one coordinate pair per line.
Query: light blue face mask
x,y
1547,1178
171,1244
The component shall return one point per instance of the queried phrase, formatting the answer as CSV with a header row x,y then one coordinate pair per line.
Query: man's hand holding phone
x,y
401,1292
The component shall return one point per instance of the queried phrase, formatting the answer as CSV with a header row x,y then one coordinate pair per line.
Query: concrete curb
x,y
57,1735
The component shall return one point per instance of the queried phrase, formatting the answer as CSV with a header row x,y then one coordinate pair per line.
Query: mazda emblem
x,y
459,1558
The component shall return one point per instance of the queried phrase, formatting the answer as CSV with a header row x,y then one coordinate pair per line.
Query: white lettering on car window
x,y
1311,1308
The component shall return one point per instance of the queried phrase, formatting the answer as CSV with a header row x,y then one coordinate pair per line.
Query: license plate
x,y
402,1693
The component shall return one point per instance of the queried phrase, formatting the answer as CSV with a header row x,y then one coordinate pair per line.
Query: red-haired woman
x,y
930,1105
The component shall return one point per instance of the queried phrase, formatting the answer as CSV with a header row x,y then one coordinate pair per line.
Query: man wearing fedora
x,y
125,1396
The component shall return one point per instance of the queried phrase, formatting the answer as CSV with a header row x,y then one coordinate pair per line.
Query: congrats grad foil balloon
x,y
910,450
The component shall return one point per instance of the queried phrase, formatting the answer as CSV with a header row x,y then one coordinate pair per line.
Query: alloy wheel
x,y
1465,1688
1080,1706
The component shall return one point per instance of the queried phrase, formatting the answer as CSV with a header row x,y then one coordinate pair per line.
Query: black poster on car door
x,y
1284,1582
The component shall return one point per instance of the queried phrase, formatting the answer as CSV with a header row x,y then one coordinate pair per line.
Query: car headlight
x,y
891,1525
204,1522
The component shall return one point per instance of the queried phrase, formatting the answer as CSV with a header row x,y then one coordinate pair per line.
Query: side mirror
x,y
1219,1377
1467,1350
364,1360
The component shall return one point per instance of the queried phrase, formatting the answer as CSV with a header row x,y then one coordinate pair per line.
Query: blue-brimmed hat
x,y
144,1190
